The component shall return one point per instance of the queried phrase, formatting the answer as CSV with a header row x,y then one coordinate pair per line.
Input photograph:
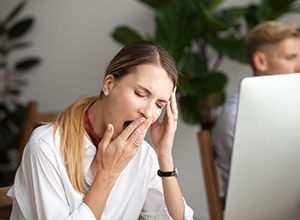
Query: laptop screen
x,y
264,181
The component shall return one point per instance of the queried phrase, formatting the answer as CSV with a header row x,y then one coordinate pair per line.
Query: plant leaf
x,y
233,48
15,11
149,37
230,15
18,113
184,85
27,63
19,46
15,92
175,27
264,11
125,35
2,28
3,108
213,5
213,83
251,16
200,87
209,22
281,5
193,66
216,99
156,4
20,28
190,110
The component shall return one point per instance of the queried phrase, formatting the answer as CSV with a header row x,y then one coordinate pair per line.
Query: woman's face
x,y
142,93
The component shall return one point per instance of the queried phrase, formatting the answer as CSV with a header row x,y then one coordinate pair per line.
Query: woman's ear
x,y
108,84
260,62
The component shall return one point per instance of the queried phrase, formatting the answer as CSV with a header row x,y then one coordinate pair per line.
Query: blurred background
x,y
73,41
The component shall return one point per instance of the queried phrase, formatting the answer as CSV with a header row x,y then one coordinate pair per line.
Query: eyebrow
x,y
148,91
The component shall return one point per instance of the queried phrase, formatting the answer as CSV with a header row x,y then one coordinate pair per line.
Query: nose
x,y
147,110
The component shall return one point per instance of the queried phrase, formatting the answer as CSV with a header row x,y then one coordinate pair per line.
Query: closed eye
x,y
290,57
140,95
159,106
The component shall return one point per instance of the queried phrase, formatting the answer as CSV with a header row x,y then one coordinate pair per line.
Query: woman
x,y
92,162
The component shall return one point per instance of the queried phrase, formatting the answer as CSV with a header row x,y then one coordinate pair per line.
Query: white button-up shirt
x,y
42,189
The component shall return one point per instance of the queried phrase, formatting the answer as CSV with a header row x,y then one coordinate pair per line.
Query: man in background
x,y
272,48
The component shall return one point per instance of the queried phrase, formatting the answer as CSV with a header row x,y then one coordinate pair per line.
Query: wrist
x,y
166,163
105,177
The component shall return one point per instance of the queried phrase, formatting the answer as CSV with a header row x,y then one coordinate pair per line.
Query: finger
x,y
169,114
175,88
130,128
139,134
106,137
174,104
141,137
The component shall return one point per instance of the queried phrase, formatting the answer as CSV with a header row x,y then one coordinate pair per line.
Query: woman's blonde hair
x,y
268,32
70,122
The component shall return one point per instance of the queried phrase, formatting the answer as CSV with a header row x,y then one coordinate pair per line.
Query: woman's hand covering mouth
x,y
126,123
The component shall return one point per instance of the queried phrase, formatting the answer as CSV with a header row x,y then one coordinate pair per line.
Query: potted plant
x,y
193,30
11,110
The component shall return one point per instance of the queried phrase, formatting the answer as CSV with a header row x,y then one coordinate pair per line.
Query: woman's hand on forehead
x,y
162,134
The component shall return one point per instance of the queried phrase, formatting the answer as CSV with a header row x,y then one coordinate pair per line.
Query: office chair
x,y
32,120
215,202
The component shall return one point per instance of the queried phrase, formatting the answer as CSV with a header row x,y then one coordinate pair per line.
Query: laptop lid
x,y
264,182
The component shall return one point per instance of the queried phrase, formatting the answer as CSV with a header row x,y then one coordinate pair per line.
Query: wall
x,y
73,39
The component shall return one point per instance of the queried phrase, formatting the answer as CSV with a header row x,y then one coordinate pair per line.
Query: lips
x,y
126,123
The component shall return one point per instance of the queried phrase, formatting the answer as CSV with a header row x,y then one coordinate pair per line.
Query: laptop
x,y
264,181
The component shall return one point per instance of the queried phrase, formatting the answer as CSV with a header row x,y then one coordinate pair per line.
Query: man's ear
x,y
108,83
260,62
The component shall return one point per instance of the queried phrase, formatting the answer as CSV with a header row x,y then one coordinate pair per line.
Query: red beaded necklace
x,y
90,130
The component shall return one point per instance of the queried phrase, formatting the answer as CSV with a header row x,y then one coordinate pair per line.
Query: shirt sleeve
x,y
38,191
155,207
223,136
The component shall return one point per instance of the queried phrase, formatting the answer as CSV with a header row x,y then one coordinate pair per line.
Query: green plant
x,y
199,34
11,110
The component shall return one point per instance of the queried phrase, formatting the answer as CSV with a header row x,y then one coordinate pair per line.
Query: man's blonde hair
x,y
268,32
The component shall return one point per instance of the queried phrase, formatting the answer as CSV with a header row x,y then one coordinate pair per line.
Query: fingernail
x,y
175,89
142,119
109,127
149,121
